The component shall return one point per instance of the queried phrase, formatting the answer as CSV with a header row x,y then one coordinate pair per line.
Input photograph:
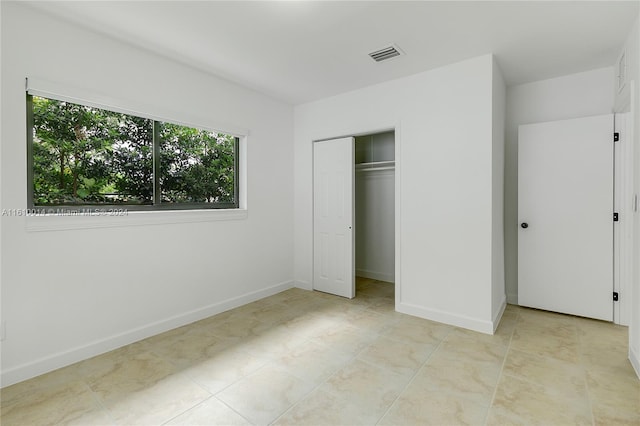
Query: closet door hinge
x,y
615,217
615,296
616,137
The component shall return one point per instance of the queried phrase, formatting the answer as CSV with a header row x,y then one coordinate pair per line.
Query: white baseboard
x,y
474,324
374,275
635,361
512,298
61,359
498,315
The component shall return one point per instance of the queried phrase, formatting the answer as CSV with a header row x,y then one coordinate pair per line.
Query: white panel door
x,y
333,177
565,212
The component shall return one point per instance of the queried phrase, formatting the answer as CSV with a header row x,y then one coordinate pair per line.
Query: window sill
x,y
40,223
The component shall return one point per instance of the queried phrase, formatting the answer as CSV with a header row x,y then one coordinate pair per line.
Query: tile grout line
x,y
187,410
552,359
504,361
353,358
584,376
320,384
232,409
315,388
269,361
193,381
272,363
97,398
413,377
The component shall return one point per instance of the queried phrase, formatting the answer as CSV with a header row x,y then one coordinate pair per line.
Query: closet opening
x,y
374,214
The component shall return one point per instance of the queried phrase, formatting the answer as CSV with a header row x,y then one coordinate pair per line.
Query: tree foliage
x,y
196,165
84,155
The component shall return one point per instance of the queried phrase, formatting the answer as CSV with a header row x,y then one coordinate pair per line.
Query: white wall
x,y
375,209
572,96
634,329
70,294
1,204
443,122
498,104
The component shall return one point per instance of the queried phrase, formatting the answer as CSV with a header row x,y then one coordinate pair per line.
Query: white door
x,y
565,212
333,177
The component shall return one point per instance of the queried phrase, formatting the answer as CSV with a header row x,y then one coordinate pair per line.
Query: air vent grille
x,y
385,53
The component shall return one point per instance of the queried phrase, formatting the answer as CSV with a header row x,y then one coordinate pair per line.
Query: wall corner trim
x,y
304,285
498,316
634,358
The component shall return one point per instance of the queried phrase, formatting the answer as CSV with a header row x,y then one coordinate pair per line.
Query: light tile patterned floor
x,y
308,358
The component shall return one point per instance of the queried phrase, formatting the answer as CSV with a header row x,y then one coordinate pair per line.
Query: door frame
x,y
394,127
623,204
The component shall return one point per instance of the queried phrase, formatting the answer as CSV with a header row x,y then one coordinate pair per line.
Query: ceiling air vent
x,y
385,53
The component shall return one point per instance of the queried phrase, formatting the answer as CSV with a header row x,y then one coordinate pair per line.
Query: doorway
x,y
375,213
354,215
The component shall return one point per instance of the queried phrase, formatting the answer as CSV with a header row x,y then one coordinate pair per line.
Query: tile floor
x,y
308,358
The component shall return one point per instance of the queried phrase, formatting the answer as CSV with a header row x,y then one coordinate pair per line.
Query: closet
x,y
375,206
353,212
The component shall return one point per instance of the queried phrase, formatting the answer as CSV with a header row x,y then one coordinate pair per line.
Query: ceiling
x,y
299,51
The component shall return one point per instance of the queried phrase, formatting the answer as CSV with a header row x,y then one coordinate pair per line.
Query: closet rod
x,y
375,163
374,169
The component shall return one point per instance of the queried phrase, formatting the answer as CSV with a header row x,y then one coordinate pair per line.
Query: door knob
x,y
524,225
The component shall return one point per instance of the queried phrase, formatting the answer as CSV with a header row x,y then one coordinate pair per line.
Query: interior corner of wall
x,y
634,358
304,285
497,316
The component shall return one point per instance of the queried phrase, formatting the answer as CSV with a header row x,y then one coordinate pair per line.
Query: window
x,y
85,156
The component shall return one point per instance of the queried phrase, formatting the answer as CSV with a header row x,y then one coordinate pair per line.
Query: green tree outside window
x,y
84,155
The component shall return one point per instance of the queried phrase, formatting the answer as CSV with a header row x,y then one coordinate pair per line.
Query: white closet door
x,y
333,250
565,210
